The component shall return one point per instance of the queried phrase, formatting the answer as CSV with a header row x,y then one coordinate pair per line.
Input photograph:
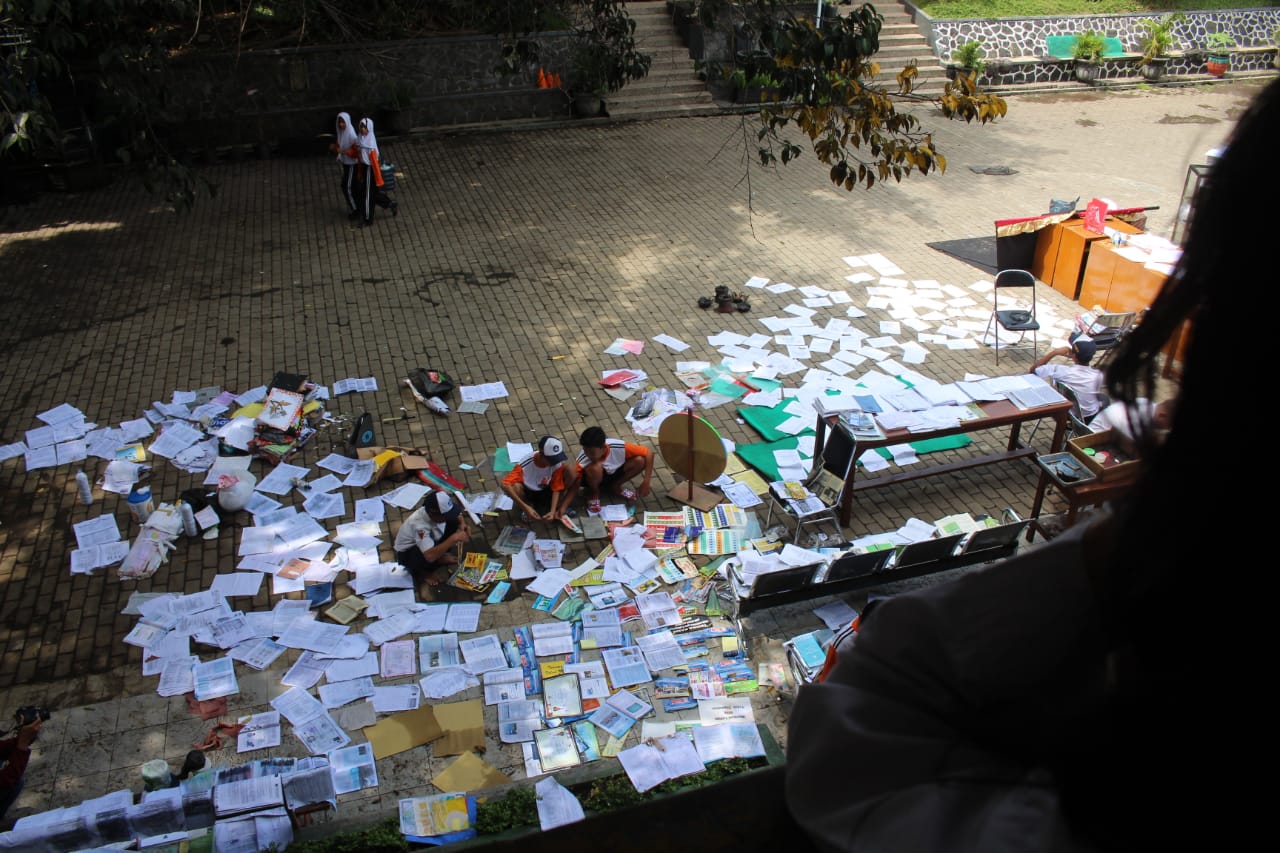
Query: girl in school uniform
x,y
347,148
371,174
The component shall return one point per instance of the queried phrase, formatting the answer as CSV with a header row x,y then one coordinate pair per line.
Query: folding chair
x,y
1003,537
856,565
1020,320
926,551
826,481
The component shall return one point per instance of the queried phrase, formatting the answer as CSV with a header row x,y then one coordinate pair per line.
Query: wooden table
x,y
1090,492
1063,250
996,414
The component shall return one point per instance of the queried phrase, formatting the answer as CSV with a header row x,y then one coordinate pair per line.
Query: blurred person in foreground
x,y
1082,695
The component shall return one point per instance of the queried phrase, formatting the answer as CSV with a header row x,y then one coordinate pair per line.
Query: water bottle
x,y
140,502
435,404
188,519
86,493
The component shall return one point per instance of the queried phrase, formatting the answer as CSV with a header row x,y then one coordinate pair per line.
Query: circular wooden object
x,y
692,447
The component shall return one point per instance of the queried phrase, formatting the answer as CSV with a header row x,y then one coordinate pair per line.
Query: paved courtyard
x,y
516,257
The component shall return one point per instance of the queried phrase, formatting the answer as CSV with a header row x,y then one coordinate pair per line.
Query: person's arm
x,y
559,495
1044,359
375,166
645,484
513,485
460,536
16,751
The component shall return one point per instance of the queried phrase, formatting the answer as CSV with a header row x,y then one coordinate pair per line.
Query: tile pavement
x,y
515,257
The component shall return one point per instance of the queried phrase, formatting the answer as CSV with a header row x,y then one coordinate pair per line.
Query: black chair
x,y
827,479
857,565
1020,320
926,551
995,539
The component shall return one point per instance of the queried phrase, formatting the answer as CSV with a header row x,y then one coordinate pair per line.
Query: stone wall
x,y
1021,42
269,96
1023,37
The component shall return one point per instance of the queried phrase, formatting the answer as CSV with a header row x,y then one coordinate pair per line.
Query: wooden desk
x,y
996,414
1117,283
1063,250
1089,492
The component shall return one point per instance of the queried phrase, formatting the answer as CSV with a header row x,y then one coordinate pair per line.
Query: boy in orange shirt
x,y
608,463
542,485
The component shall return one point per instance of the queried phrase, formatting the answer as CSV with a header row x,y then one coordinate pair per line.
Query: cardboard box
x,y
405,460
1108,461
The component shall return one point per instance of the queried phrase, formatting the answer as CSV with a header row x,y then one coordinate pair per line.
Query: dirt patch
x,y
1196,119
1086,122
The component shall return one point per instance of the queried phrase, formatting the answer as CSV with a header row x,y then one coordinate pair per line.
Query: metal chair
x,y
826,481
1020,320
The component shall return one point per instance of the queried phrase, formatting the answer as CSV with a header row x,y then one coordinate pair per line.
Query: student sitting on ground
x,y
607,464
426,540
542,485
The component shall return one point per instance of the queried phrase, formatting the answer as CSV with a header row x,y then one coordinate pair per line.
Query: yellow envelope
x,y
462,725
469,773
402,732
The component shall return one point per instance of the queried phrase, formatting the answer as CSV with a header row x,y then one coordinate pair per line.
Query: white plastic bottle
x,y
82,484
188,519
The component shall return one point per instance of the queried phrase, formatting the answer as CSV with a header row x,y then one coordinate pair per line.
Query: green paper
x,y
727,388
502,461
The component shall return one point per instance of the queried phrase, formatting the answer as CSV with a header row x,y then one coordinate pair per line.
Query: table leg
x,y
1059,432
1041,487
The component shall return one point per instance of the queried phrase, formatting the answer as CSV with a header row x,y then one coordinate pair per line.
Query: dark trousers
x,y
350,187
373,196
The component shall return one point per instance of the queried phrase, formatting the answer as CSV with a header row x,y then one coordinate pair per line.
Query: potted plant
x,y
1218,46
969,58
1087,54
1155,42
605,55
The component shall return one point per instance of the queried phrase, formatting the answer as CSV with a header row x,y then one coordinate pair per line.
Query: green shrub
x,y
518,807
970,55
1089,45
381,837
1219,42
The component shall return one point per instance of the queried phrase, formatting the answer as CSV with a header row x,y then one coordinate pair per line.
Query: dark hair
x,y
592,437
1149,559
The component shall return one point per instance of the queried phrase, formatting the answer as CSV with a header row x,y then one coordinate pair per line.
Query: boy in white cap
x,y
426,540
542,485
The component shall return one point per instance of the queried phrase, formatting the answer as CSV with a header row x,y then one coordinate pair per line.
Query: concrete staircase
x,y
672,88
901,42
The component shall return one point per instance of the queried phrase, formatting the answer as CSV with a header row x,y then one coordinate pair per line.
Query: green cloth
x,y
765,420
760,455
727,388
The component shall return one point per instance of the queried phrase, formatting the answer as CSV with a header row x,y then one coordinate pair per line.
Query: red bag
x,y
1095,214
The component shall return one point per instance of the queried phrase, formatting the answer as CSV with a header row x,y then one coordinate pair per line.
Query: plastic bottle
x,y
140,502
435,404
82,484
188,519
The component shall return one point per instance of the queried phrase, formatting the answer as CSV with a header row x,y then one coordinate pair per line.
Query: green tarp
x,y
760,455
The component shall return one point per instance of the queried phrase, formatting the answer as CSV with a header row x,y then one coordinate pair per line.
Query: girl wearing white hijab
x,y
347,147
371,174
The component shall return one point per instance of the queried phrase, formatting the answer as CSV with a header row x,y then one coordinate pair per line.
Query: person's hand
x,y
28,733
462,535
644,489
333,148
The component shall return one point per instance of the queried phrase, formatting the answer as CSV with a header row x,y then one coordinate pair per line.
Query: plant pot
x,y
1217,65
1087,72
588,105
1154,70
